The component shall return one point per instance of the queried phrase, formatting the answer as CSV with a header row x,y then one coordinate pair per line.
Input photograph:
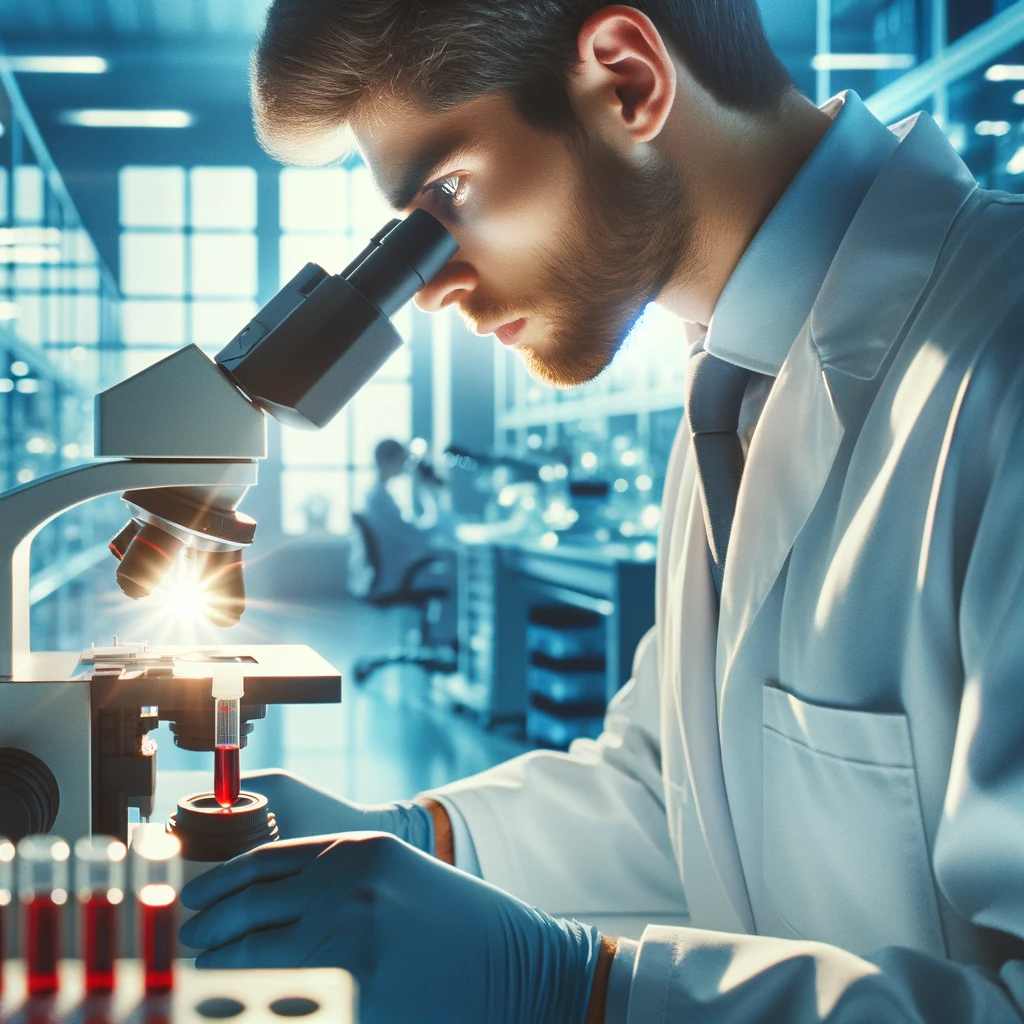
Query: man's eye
x,y
449,189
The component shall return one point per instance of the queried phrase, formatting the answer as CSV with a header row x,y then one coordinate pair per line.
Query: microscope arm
x,y
25,510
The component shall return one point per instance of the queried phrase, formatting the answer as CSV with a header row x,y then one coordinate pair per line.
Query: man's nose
x,y
456,281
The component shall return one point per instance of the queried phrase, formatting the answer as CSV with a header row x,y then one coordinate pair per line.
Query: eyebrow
x,y
419,173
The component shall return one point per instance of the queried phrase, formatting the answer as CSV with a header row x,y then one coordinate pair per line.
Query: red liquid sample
x,y
157,919
42,944
227,776
100,942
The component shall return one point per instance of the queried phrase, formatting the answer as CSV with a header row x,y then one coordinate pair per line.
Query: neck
x,y
744,165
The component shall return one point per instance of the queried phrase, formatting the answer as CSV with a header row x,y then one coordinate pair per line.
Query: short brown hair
x,y
318,60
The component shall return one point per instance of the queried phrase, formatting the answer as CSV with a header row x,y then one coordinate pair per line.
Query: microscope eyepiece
x,y
409,256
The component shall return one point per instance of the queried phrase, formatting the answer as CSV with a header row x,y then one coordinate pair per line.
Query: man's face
x,y
563,242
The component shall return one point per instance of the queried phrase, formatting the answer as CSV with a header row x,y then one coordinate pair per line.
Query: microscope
x,y
181,440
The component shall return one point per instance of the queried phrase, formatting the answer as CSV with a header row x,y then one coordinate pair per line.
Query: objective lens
x,y
119,545
146,561
223,585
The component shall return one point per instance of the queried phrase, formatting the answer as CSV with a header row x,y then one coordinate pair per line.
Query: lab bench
x,y
547,632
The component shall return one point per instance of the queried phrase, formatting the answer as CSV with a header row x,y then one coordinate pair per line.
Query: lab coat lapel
x,y
792,451
698,715
889,253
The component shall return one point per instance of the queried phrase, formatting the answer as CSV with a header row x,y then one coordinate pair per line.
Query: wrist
x,y
599,986
444,843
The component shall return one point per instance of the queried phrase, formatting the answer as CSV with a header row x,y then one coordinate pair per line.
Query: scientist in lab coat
x,y
821,751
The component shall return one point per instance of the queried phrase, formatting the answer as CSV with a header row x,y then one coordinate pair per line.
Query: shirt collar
x,y
771,291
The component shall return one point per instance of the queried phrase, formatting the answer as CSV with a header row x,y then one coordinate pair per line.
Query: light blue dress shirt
x,y
771,292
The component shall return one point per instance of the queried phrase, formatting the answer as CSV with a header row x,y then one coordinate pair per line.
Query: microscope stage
x,y
180,675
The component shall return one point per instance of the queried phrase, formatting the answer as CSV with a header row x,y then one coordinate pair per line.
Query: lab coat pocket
x,y
845,857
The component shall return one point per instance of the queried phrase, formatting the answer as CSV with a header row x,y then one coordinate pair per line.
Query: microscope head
x,y
304,355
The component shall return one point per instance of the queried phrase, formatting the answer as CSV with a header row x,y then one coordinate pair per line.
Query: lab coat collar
x,y
879,273
758,314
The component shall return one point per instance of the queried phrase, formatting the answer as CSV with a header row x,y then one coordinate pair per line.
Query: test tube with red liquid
x,y
43,890
6,891
156,875
227,694
99,880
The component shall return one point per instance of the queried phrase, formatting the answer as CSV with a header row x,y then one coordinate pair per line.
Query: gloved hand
x,y
303,809
426,942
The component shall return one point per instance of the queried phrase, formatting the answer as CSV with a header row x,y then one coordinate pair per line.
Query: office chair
x,y
433,658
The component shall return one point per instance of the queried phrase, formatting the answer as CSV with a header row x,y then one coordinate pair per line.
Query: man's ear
x,y
625,83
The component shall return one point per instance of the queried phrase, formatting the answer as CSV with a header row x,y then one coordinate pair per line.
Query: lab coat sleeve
x,y
582,832
685,975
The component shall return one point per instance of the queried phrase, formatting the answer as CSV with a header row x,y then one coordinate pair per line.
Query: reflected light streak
x,y
911,397
967,727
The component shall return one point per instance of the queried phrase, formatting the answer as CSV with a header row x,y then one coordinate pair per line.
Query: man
x,y
823,737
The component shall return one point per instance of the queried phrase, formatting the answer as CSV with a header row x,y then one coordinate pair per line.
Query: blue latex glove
x,y
426,942
303,809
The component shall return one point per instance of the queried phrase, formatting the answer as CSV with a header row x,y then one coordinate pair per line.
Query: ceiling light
x,y
863,61
1016,164
19,368
1018,97
1005,73
57,65
97,118
992,128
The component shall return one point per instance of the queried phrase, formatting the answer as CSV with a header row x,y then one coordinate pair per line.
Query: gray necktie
x,y
714,394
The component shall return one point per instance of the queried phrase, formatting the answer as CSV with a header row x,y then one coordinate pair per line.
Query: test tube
x,y
227,694
43,890
6,889
99,879
156,873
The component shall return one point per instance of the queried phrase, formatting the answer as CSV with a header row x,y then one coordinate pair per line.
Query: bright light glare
x,y
863,61
9,311
1018,97
588,460
997,128
1005,73
1016,164
184,599
98,118
40,65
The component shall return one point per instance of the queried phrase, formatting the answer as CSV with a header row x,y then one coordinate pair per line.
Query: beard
x,y
634,230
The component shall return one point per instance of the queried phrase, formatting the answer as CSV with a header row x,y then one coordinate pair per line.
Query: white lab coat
x,y
836,771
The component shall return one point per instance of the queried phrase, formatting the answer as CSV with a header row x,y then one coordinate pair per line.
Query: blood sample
x,y
156,871
99,879
227,694
43,890
6,890
157,921
227,776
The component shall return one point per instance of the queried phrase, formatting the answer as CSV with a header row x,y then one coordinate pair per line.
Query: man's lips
x,y
505,333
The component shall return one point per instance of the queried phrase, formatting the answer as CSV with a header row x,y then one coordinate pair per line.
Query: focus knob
x,y
29,794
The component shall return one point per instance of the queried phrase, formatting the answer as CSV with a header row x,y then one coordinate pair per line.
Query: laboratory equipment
x,y
6,895
182,440
43,890
156,879
100,886
315,995
228,688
